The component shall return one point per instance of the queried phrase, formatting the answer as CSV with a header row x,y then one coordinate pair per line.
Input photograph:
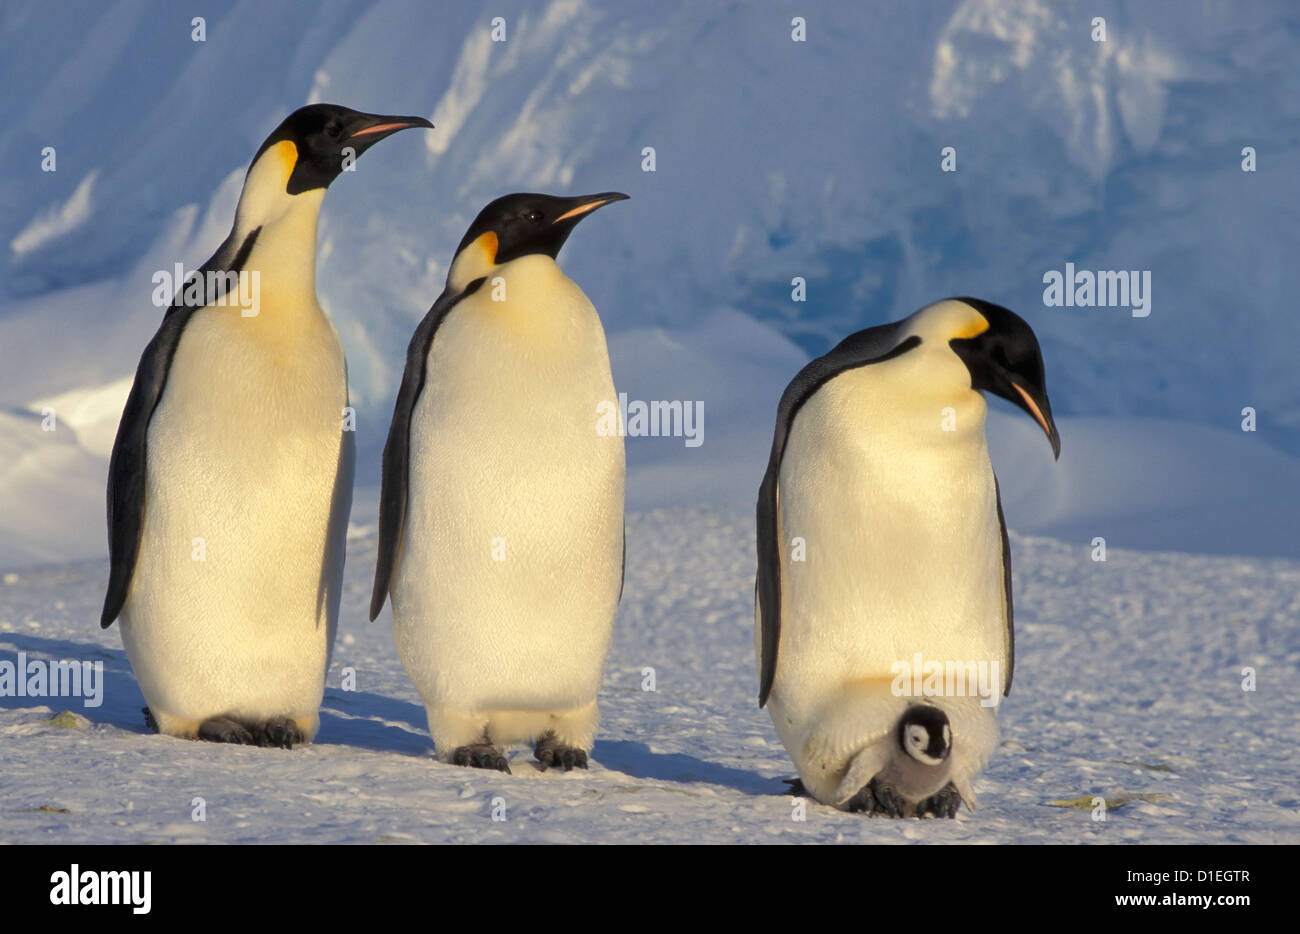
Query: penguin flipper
x,y
862,769
964,788
395,482
873,345
128,466
622,570
1006,590
767,582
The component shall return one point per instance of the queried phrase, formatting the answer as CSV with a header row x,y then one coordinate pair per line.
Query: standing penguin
x,y
881,543
230,481
501,513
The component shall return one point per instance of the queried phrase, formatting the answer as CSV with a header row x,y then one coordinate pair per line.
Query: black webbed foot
x,y
551,752
278,732
480,756
943,803
225,730
876,798
150,723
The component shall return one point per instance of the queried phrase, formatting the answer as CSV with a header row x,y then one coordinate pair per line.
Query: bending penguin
x,y
881,544
230,481
501,512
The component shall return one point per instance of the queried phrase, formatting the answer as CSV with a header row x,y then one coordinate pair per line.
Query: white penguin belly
x,y
234,601
511,561
902,553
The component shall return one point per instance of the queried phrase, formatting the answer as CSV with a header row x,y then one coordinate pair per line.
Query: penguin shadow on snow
x,y
636,759
357,718
373,721
121,697
360,719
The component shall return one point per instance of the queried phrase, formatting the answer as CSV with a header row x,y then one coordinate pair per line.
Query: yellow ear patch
x,y
977,325
478,259
286,155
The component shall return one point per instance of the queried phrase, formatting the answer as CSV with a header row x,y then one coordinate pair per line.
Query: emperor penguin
x,y
501,513
882,552
230,482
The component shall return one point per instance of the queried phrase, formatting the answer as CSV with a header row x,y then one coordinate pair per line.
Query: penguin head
x,y
314,141
924,734
305,153
518,225
1004,359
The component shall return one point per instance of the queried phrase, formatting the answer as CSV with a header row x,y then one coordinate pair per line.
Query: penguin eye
x,y
533,216
334,129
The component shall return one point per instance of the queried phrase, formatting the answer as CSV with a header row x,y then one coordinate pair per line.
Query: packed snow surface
x,y
1128,685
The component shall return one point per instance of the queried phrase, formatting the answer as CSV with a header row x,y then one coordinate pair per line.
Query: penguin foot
x,y
551,752
943,803
796,787
225,730
876,797
280,732
480,756
150,723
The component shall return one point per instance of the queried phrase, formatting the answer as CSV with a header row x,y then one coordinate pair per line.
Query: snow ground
x,y
1127,683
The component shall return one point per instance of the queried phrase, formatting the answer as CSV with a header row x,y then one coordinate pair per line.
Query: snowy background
x,y
774,159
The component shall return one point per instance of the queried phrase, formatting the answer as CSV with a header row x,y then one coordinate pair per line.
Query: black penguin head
x,y
1004,359
323,136
527,223
924,734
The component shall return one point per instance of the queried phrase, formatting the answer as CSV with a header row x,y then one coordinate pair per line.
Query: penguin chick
x,y
910,772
